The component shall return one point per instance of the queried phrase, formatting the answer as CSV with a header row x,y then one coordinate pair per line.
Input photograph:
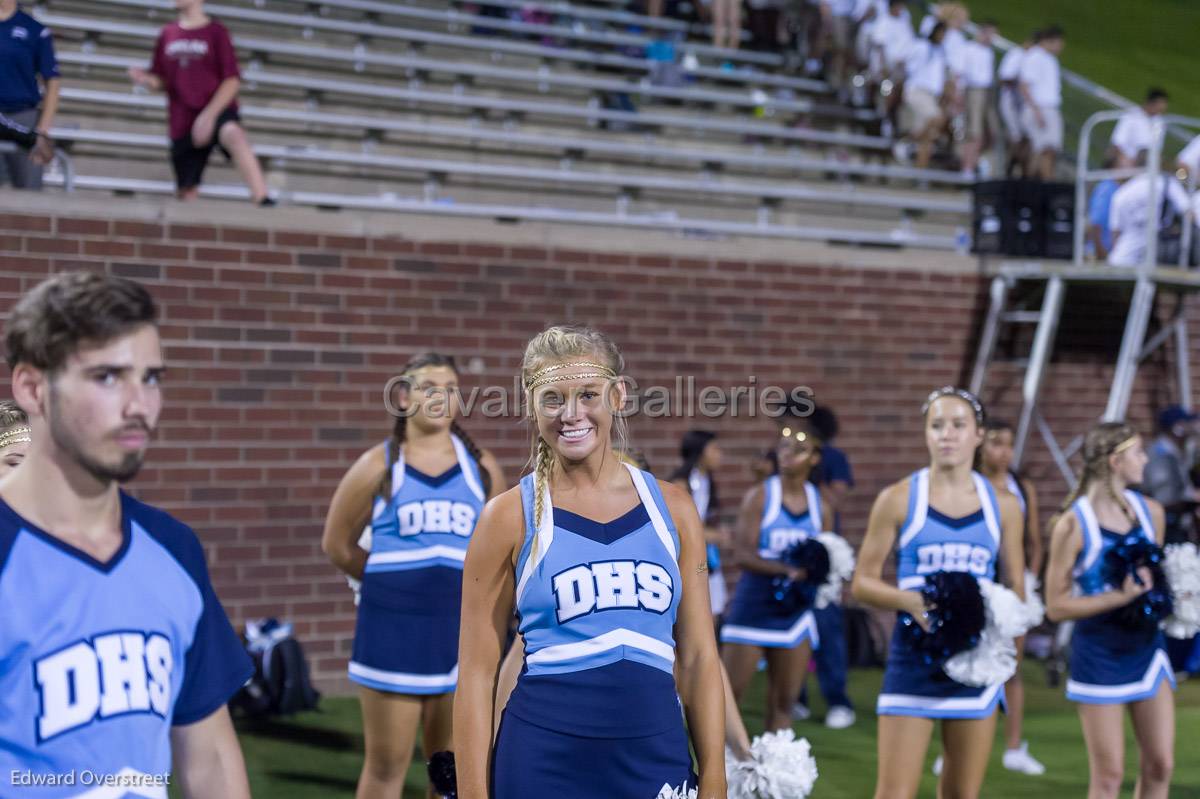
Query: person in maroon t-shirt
x,y
195,65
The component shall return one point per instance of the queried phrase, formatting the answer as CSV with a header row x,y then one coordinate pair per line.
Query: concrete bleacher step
x,y
363,63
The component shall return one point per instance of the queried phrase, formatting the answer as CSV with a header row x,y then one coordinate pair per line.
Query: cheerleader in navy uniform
x,y
995,463
1113,666
783,511
605,567
421,492
945,517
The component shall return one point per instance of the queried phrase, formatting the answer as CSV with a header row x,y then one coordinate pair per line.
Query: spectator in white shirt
x,y
926,88
1188,160
891,40
1129,215
979,78
841,35
1140,127
1008,75
1041,94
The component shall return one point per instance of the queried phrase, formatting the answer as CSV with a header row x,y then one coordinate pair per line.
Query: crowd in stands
x,y
937,87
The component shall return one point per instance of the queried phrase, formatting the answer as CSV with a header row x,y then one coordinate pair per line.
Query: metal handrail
x,y
1153,168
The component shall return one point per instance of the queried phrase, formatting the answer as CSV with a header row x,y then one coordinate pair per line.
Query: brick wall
x,y
280,342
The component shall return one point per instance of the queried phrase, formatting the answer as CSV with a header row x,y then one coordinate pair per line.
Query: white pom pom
x,y
1181,565
1035,608
682,792
780,767
994,659
841,569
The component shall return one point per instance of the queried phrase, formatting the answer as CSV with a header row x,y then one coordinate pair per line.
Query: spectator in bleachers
x,y
1008,76
1099,235
1129,215
194,63
979,78
891,42
26,55
1138,129
1041,95
727,23
1188,160
927,87
841,44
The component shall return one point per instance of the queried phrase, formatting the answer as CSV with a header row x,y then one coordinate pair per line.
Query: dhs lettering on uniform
x,y
782,538
111,675
953,557
436,516
611,585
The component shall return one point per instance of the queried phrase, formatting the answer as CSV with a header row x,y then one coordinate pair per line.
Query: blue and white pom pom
x,y
994,659
682,792
1181,565
841,569
779,767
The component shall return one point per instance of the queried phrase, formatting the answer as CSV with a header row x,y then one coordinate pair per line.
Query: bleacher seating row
x,y
407,105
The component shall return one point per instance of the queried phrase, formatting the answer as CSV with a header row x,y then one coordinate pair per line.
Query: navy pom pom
x,y
442,775
796,595
956,617
1131,553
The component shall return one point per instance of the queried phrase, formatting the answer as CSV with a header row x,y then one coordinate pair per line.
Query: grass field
x,y
318,755
1124,45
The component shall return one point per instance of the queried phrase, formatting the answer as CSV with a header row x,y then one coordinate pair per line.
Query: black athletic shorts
x,y
189,160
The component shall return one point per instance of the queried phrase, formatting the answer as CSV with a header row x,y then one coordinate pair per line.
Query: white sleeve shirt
x,y
1010,65
926,68
955,44
1136,131
980,65
1040,72
1190,156
1129,214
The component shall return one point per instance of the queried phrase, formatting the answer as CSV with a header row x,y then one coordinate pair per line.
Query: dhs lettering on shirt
x,y
781,538
612,585
111,675
436,516
953,557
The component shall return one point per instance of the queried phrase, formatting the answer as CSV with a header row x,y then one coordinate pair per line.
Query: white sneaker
x,y
800,712
1020,760
937,766
839,717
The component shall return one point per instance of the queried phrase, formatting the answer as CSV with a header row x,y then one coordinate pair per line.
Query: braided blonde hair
x,y
555,345
1100,443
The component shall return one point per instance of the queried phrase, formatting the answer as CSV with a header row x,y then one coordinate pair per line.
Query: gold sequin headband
x,y
16,435
1126,444
544,377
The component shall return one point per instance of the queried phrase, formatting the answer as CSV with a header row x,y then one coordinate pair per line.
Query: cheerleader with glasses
x,y
420,492
605,567
780,513
945,517
1118,659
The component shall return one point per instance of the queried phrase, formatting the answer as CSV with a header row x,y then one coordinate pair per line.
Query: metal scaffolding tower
x,y
1147,281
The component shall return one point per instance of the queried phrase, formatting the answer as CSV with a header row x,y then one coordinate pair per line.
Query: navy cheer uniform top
x,y
1110,663
755,617
406,636
595,714
931,542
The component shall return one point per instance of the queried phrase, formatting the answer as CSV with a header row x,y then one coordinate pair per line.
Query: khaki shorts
x,y
920,108
1010,112
981,115
841,29
1048,136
